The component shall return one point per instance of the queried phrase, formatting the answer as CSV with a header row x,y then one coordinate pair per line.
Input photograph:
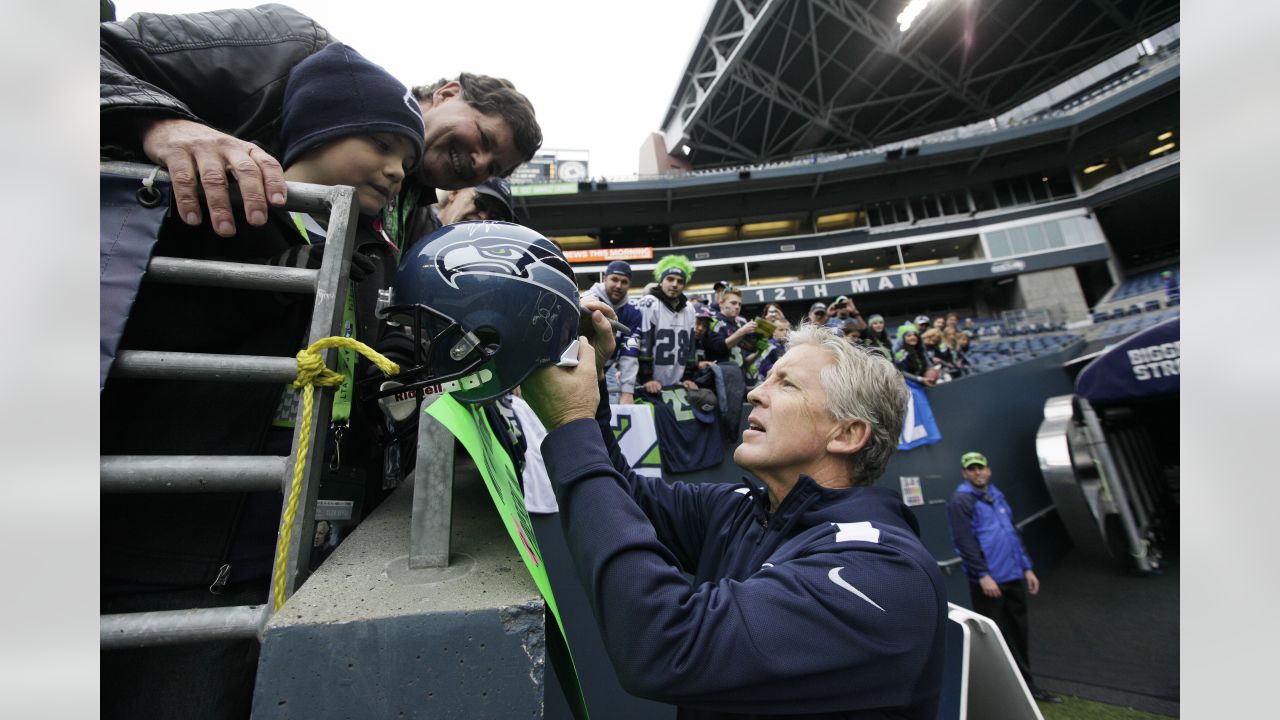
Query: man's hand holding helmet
x,y
560,394
563,394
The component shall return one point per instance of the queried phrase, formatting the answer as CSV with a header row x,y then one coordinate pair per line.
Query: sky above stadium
x,y
599,74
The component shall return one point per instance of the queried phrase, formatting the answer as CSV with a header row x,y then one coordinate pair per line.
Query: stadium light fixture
x,y
576,242
916,263
910,13
770,229
1095,168
707,231
1165,135
836,221
1162,149
847,273
706,234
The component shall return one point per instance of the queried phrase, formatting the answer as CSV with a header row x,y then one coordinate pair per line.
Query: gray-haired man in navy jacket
x,y
811,593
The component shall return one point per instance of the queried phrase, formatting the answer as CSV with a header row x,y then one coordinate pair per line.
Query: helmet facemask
x,y
418,336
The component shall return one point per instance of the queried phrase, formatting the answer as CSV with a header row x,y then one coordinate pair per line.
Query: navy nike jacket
x,y
828,607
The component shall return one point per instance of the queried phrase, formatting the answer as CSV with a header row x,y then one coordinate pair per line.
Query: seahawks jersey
x,y
666,336
686,443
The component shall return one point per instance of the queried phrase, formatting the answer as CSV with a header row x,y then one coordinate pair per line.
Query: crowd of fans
x,y
925,350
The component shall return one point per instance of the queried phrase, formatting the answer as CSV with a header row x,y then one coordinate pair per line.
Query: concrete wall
x,y
366,637
1056,290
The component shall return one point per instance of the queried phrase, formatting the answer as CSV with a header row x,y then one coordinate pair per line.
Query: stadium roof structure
x,y
771,80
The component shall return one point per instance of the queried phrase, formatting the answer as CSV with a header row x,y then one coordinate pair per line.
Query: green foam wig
x,y
676,262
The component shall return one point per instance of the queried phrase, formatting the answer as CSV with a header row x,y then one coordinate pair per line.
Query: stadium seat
x,y
1144,283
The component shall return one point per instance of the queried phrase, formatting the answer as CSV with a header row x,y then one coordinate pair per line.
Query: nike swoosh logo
x,y
834,576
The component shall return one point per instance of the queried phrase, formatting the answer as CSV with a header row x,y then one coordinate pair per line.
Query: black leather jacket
x,y
224,68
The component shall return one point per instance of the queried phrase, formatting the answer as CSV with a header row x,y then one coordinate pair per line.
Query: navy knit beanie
x,y
337,92
619,267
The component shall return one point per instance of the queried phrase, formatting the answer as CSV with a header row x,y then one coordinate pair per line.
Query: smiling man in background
x,y
624,365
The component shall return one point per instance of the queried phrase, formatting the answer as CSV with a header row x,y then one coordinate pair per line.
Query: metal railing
x,y
198,474
430,523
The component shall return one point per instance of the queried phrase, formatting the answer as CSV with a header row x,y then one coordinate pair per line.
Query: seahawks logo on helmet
x,y
500,256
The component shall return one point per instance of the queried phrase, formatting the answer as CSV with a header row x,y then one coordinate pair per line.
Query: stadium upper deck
x,y
1064,126
1081,154
951,217
771,79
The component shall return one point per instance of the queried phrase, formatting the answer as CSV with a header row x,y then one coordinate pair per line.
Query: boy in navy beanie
x,y
347,121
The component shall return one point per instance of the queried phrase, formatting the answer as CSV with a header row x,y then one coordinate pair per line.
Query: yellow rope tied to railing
x,y
312,372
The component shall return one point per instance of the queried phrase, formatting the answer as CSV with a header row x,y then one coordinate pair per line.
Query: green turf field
x,y
1077,709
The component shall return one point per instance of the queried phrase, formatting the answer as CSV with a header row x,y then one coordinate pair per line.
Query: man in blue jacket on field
x,y
995,560
806,593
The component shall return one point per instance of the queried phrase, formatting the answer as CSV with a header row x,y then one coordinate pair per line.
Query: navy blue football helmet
x,y
479,306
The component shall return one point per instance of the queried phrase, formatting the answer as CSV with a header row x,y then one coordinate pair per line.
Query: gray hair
x,y
861,385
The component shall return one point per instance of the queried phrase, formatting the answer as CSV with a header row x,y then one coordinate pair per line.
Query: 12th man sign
x,y
958,272
822,290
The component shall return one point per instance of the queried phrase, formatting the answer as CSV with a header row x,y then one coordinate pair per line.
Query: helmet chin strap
x,y
399,400
393,395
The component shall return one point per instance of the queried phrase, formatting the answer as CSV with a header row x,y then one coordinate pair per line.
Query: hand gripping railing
x,y
188,473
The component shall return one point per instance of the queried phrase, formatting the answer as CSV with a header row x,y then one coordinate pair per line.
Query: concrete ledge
x,y
366,636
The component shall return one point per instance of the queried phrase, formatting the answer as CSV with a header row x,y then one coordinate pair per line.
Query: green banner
x,y
560,188
470,426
